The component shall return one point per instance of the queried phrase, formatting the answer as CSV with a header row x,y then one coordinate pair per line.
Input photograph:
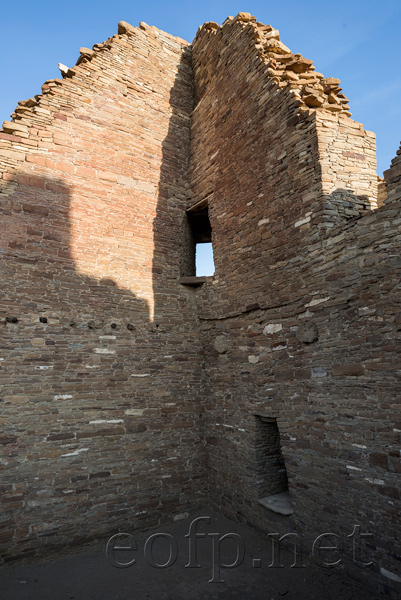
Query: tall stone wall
x,y
100,353
298,166
301,321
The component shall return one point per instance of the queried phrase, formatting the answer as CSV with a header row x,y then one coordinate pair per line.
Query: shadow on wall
x,y
40,273
342,204
172,244
81,357
67,354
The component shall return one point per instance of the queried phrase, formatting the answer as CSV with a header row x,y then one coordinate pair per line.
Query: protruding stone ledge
x,y
193,281
124,27
278,503
87,53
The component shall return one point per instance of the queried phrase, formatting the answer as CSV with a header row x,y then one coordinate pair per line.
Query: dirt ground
x,y
161,570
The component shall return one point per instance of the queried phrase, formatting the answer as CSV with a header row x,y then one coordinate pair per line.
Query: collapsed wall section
x,y
100,357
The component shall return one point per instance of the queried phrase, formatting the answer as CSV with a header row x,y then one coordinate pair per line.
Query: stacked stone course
x,y
130,399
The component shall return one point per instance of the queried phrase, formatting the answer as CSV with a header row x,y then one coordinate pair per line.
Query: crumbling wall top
x,y
29,112
392,178
288,70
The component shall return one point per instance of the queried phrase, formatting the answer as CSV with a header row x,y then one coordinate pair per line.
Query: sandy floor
x,y
88,574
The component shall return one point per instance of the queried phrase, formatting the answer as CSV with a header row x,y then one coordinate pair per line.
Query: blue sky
x,y
356,41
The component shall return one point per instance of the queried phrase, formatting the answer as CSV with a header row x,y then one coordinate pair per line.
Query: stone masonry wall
x,y
100,353
325,364
301,322
392,178
298,165
129,399
347,156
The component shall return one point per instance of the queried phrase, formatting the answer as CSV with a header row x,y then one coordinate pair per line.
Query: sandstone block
x,y
124,27
211,25
307,332
12,127
87,52
348,369
221,344
244,17
272,328
299,65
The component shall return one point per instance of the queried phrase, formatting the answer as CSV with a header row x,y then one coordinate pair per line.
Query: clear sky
x,y
358,41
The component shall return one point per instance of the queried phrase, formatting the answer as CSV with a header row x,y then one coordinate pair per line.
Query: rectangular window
x,y
197,259
204,261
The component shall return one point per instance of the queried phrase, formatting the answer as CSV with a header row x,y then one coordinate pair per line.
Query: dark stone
x,y
350,369
60,436
95,324
378,459
4,441
100,474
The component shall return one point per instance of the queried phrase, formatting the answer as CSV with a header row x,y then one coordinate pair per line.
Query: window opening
x,y
197,260
204,261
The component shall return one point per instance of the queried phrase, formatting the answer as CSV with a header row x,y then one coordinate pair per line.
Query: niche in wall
x,y
271,473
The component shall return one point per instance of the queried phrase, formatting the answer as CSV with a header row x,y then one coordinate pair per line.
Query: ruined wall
x,y
269,165
392,178
347,157
301,321
108,366
100,358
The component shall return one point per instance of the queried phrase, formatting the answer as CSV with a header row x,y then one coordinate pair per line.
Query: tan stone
x,y
333,99
275,46
299,65
211,25
12,127
125,28
244,17
313,100
87,52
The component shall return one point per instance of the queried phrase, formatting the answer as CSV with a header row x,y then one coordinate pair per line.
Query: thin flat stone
x,y
278,503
